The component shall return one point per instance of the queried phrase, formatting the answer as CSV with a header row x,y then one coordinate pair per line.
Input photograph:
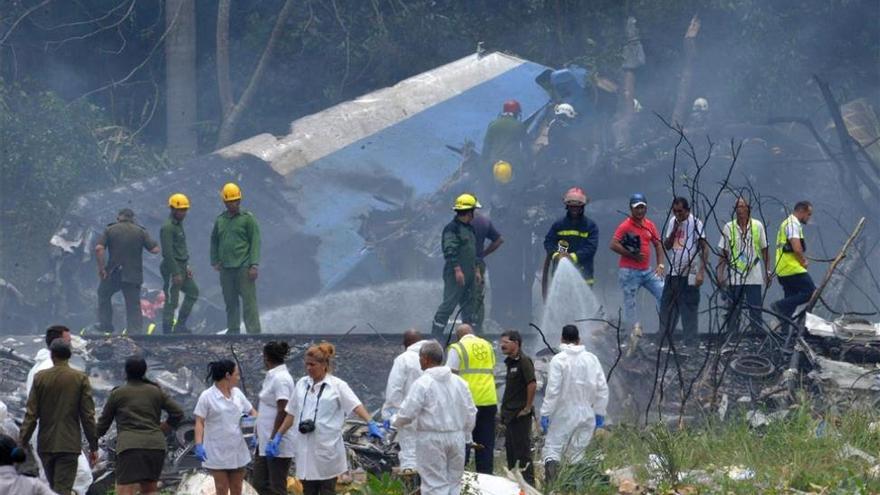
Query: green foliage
x,y
50,152
791,453
381,485
584,476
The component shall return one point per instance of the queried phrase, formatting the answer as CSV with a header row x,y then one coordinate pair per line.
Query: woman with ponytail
x,y
317,410
220,444
137,407
12,482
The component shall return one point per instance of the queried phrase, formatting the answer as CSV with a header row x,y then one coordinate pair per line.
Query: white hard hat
x,y
565,109
701,105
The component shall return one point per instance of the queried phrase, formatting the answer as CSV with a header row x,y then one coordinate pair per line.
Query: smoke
x,y
389,308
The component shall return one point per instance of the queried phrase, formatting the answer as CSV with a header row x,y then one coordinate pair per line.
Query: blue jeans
x,y
630,281
740,297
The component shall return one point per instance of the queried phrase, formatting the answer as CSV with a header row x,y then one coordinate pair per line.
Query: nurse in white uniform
x,y
220,444
270,474
317,413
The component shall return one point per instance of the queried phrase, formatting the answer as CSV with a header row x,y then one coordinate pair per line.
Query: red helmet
x,y
512,107
575,196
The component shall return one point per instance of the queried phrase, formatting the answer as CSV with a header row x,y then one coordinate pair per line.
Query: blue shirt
x,y
483,229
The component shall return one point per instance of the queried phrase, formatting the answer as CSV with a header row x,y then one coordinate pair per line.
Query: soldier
x,y
235,253
460,276
61,403
123,271
177,275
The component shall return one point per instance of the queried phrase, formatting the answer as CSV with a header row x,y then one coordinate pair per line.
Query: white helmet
x,y
637,107
701,105
565,109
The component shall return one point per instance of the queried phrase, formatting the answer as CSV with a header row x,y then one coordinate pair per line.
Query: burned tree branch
x,y
687,72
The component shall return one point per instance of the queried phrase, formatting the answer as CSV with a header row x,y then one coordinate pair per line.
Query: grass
x,y
800,452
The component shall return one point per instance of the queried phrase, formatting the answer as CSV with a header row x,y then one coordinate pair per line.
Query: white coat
x,y
223,440
277,385
320,455
576,392
404,372
440,405
83,480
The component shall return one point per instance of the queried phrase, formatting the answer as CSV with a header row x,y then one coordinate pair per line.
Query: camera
x,y
306,426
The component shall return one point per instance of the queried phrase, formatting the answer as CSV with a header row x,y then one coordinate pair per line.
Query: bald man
x,y
405,370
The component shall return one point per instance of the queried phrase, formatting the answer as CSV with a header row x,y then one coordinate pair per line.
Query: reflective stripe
x,y
576,233
787,264
476,372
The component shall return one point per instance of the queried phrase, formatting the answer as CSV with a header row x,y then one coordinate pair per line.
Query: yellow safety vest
x,y
737,252
787,263
477,368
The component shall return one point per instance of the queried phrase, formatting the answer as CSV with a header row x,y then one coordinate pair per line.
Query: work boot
x,y
551,469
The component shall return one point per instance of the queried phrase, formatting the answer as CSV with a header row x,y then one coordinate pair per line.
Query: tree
x,y
180,79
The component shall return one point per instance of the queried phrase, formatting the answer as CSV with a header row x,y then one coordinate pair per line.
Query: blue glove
x,y
387,424
252,441
375,432
600,421
200,452
273,446
545,423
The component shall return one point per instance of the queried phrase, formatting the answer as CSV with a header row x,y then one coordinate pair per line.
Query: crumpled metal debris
x,y
844,375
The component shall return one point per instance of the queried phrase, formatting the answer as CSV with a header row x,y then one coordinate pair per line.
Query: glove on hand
x,y
545,423
375,432
600,421
273,446
387,424
253,442
199,450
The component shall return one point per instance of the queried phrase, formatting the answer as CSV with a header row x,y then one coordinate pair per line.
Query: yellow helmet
x,y
502,171
230,192
178,201
466,202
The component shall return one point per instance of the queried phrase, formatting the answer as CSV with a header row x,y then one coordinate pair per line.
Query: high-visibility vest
x,y
477,368
737,252
787,263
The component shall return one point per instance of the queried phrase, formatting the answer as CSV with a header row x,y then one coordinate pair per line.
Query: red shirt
x,y
647,232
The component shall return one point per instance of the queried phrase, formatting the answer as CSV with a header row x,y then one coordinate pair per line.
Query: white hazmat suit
x,y
404,372
83,479
440,405
576,392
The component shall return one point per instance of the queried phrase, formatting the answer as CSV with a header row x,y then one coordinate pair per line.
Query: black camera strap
x,y
317,401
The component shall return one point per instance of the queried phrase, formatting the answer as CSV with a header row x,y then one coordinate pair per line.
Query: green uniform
x,y
61,402
235,247
175,258
137,409
125,241
459,249
506,140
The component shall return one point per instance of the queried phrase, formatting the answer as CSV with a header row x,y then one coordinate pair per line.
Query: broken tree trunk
x,y
791,372
687,72
633,58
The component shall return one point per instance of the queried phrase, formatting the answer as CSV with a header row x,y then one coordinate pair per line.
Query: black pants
x,y
518,444
60,470
270,475
319,487
484,434
132,294
679,300
797,289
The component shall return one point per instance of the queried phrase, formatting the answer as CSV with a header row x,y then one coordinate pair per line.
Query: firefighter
x,y
460,276
235,253
177,275
505,142
574,236
123,271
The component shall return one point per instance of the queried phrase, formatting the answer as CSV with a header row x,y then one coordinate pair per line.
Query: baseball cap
x,y
637,199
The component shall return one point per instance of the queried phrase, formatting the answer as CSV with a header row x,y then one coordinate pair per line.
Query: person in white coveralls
x,y
440,405
574,402
404,372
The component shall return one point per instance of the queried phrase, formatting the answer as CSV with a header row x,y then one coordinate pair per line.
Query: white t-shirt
x,y
745,244
277,385
223,441
685,253
320,455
